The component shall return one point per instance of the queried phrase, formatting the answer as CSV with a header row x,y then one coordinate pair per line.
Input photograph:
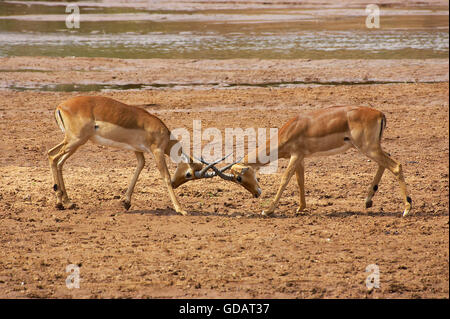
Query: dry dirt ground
x,y
224,248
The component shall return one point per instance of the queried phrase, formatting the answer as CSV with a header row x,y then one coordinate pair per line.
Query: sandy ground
x,y
224,248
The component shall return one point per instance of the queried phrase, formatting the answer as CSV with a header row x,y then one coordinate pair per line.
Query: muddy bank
x,y
39,71
239,4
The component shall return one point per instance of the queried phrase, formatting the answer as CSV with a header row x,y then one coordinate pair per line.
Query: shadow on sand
x,y
250,215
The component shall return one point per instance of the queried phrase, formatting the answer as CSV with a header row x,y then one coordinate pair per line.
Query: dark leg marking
x,y
346,139
375,188
126,204
408,199
55,187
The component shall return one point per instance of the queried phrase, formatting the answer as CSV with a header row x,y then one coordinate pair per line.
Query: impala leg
x,y
56,149
140,166
57,156
162,166
67,151
284,181
374,186
53,156
300,174
396,168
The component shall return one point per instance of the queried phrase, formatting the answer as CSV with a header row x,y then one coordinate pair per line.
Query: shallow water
x,y
308,44
136,32
76,87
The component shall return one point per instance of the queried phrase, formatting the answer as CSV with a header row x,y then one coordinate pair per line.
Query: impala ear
x,y
244,170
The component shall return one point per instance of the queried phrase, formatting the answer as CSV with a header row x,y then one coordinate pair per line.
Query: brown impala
x,y
109,122
325,132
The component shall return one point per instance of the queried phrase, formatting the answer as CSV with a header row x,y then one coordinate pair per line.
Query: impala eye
x,y
239,179
188,175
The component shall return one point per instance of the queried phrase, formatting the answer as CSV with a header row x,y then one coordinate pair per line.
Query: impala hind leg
x,y
395,167
284,181
162,166
141,162
56,162
374,186
53,156
300,174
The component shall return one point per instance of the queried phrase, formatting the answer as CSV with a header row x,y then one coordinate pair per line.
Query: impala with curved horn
x,y
244,176
108,122
184,173
326,132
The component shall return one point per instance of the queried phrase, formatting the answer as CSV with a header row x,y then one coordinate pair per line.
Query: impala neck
x,y
173,143
253,159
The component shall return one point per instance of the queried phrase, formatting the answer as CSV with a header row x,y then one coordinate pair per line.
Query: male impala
x,y
325,132
109,122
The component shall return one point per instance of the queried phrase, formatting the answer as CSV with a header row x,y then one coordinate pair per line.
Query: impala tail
x,y
383,125
59,120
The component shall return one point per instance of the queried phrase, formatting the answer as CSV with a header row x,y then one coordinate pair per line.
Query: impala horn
x,y
203,173
220,172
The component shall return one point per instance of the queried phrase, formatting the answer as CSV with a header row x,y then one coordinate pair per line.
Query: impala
x,y
109,122
326,132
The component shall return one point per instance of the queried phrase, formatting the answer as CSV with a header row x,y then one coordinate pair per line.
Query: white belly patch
x,y
109,134
97,139
333,151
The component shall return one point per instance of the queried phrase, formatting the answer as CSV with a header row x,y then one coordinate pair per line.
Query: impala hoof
x,y
126,204
369,204
60,206
406,212
264,213
71,206
408,206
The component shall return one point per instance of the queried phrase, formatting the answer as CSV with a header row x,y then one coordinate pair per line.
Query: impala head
x,y
186,172
240,174
246,177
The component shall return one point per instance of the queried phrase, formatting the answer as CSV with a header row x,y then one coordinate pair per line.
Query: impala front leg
x,y
284,181
162,166
140,166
